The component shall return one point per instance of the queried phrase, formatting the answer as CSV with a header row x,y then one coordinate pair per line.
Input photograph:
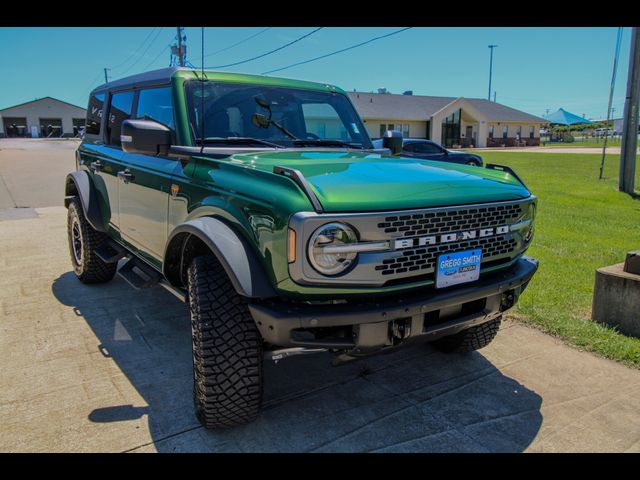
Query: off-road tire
x,y
227,349
83,241
468,340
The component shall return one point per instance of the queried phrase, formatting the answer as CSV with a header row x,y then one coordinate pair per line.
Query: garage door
x,y
15,126
51,127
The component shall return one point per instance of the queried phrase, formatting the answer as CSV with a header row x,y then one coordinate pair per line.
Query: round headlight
x,y
325,253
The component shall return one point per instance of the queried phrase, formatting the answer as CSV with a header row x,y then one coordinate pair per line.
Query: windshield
x,y
265,115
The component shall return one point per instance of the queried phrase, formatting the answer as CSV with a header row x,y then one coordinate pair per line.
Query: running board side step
x,y
110,252
138,274
179,293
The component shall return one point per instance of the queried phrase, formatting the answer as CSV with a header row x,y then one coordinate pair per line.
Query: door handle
x,y
96,166
126,175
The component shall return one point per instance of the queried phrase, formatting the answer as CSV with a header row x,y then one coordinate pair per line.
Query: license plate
x,y
459,267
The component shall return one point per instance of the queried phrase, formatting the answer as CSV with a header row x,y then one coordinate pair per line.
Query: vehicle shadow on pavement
x,y
412,400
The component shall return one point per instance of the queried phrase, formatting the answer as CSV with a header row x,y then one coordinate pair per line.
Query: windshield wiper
x,y
326,141
238,140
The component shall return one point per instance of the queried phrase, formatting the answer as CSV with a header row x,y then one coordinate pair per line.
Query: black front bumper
x,y
364,327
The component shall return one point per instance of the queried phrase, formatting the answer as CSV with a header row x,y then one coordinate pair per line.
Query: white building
x,y
449,121
43,117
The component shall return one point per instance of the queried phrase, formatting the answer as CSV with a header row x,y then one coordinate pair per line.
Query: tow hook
x,y
400,329
508,300
277,355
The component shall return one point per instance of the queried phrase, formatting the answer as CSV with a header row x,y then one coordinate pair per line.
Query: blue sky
x,y
534,68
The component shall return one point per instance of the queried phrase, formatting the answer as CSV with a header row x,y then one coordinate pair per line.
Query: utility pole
x,y
180,55
630,127
106,77
494,96
179,51
491,47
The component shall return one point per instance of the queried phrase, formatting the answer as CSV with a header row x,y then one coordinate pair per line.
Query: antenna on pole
x,y
179,49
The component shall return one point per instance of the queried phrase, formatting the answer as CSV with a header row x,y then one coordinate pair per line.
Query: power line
x,y
145,52
157,57
270,52
236,44
337,51
136,51
93,82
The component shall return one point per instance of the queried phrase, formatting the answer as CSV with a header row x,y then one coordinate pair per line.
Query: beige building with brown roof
x,y
450,121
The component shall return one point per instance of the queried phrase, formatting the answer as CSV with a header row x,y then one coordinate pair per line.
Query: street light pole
x,y
490,69
630,126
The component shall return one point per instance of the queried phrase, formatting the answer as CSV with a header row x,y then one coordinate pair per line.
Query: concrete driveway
x,y
107,368
32,171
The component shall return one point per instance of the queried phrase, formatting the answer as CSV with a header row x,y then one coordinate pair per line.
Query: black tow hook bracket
x,y
277,355
400,329
508,300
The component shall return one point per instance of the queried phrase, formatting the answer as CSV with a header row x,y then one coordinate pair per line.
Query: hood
x,y
360,181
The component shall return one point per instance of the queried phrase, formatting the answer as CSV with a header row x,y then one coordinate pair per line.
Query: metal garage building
x,y
43,117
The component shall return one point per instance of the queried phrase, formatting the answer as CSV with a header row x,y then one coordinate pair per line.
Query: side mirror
x,y
145,137
392,139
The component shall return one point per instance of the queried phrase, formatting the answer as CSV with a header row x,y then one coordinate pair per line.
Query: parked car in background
x,y
428,150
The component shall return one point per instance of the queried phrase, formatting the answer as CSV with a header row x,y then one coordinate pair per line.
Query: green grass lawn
x,y
582,224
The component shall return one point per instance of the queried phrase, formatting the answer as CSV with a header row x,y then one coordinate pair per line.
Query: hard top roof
x,y
164,75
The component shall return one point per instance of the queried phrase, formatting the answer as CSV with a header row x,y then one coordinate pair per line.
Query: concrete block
x,y
616,299
632,263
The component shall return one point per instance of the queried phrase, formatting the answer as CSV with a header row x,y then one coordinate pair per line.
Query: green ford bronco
x,y
262,203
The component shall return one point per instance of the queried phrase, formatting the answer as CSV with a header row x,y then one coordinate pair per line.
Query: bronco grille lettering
x,y
449,237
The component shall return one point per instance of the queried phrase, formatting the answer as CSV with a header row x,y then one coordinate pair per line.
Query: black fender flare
x,y
234,253
86,191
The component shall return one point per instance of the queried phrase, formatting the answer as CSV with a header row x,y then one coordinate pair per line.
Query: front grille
x,y
412,253
425,258
434,223
422,260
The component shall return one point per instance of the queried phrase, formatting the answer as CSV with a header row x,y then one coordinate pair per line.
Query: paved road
x,y
104,368
32,171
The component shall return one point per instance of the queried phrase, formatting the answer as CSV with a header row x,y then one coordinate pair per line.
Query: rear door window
x,y
427,148
119,111
94,114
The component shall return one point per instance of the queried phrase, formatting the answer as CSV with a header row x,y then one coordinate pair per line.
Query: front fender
x,y
234,253
79,184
